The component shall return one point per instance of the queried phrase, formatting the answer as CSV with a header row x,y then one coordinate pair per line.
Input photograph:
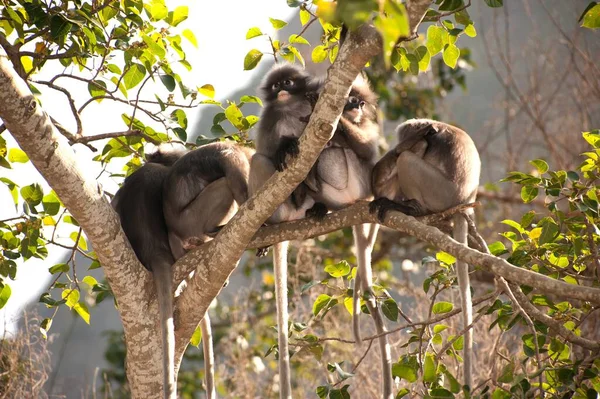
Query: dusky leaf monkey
x,y
286,91
203,191
434,167
140,208
342,176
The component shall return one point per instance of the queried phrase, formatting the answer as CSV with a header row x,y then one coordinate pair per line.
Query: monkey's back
x,y
140,199
453,151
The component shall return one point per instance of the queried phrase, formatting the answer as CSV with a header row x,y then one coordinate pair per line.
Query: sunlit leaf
x,y
252,59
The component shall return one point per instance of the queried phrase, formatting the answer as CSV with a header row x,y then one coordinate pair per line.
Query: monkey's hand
x,y
312,97
318,211
262,252
288,145
194,242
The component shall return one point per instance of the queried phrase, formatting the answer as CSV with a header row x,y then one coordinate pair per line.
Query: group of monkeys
x,y
180,199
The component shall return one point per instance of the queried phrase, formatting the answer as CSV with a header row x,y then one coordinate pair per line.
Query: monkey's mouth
x,y
283,96
353,114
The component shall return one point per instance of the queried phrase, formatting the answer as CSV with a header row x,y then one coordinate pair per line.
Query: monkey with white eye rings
x,y
340,177
434,167
139,205
286,91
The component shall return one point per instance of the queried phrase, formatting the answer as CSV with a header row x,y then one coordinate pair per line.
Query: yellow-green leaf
x,y
188,34
253,32
277,23
451,54
17,155
252,59
319,54
207,90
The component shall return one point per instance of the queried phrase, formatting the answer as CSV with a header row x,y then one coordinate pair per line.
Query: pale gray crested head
x,y
166,154
288,78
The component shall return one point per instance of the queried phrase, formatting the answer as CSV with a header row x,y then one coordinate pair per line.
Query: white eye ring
x,y
353,100
288,82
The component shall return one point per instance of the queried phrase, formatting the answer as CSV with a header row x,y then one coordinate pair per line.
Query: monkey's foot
x,y
262,252
289,145
318,211
383,205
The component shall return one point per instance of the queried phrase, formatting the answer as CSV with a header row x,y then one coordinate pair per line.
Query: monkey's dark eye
x,y
288,83
353,100
362,104
276,86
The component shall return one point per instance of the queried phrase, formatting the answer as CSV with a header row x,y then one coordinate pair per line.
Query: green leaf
x,y
253,32
82,310
438,328
445,257
180,117
154,47
514,225
470,30
251,99
168,81
81,243
207,90
389,307
442,307
321,301
180,14
405,371
17,155
450,5
235,116
32,194
156,9
497,248
277,23
134,75
90,281
304,17
188,34
540,164
451,54
4,294
298,39
435,42
59,268
494,3
440,393
529,193
59,27
550,231
319,54
71,297
591,17
97,88
459,343
252,59
422,54
507,373
196,337
429,374
51,203
340,269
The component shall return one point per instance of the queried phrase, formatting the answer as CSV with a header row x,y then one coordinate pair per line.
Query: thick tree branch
x,y
52,156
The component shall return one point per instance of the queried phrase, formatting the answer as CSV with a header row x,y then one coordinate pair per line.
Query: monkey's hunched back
x,y
140,199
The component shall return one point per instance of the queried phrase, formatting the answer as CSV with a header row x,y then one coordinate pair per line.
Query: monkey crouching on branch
x,y
340,177
140,208
434,167
287,92
202,192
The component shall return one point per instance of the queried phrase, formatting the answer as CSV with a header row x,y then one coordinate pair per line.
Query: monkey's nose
x,y
283,95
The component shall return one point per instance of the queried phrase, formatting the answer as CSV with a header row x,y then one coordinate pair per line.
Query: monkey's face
x,y
354,109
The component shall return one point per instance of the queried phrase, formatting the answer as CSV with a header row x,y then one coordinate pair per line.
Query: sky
x,y
220,27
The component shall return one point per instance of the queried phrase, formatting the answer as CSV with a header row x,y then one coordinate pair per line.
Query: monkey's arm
x,y
410,134
237,171
383,179
213,207
362,140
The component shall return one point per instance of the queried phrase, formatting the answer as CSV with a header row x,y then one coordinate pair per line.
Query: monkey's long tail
x,y
462,270
280,252
163,282
364,240
209,357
